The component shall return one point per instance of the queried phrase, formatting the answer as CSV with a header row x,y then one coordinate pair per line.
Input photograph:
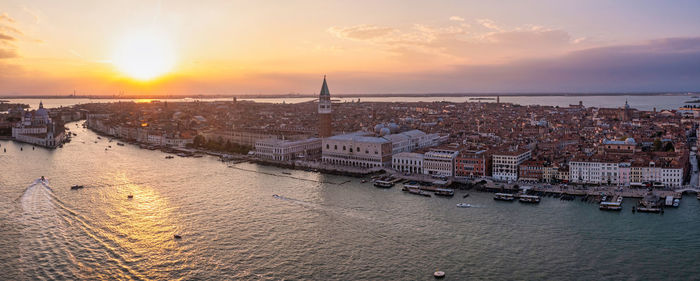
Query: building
x,y
506,164
408,162
619,147
325,119
531,170
285,150
440,162
411,140
359,149
472,164
36,127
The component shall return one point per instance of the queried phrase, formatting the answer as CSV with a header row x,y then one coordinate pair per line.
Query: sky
x,y
364,47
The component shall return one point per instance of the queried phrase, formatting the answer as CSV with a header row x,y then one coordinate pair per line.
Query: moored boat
x,y
444,192
503,197
383,184
529,199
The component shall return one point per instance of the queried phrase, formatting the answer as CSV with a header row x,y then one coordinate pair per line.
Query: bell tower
x,y
324,111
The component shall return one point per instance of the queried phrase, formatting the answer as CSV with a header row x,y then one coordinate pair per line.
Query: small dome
x,y
384,131
630,141
378,127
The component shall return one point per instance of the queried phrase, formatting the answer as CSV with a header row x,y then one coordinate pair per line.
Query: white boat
x,y
463,205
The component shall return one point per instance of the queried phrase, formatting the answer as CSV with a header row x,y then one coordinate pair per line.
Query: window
x,y
343,148
335,147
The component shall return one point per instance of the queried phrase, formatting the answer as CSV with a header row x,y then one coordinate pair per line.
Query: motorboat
x,y
676,202
76,186
463,205
120,144
130,196
169,157
276,196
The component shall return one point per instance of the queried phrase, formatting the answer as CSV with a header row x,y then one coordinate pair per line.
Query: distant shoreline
x,y
350,95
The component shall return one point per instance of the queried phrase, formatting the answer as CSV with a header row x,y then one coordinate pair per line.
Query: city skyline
x,y
222,48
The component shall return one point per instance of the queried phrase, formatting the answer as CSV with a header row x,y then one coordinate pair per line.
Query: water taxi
x,y
529,199
383,184
503,197
463,205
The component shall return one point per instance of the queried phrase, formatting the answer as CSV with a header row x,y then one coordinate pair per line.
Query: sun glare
x,y
144,56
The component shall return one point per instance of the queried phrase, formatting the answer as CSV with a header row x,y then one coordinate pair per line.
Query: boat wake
x,y
59,243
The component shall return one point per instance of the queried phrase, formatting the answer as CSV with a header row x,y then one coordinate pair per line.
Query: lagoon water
x,y
322,227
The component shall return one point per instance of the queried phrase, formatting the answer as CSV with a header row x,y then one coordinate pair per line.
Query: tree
x,y
657,145
199,140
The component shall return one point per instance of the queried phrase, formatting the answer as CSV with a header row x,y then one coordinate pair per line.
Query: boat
x,y
503,197
676,202
410,185
286,173
120,144
363,181
76,187
169,157
529,199
130,196
463,205
610,206
465,195
176,236
42,178
444,192
416,191
439,274
383,184
276,196
648,210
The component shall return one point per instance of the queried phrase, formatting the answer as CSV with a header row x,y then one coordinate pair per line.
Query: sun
x,y
144,56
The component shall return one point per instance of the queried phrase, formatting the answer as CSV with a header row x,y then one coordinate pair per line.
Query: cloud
x,y
5,17
456,18
6,37
460,42
361,32
7,53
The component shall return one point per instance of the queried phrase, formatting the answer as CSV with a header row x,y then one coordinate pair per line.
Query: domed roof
x,y
630,141
384,131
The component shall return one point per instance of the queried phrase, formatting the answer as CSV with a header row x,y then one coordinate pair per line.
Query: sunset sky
x,y
279,47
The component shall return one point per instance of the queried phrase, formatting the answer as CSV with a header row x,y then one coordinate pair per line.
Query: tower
x,y
324,111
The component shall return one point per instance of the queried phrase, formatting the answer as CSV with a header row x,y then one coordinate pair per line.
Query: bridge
x,y
689,189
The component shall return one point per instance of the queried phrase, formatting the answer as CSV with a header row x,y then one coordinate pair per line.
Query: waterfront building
x,y
325,119
412,140
531,170
506,163
36,127
440,162
286,150
408,162
472,163
594,172
249,136
358,149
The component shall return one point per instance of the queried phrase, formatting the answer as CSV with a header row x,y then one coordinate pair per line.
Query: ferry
x,y
610,206
444,192
383,184
416,191
529,199
648,210
503,197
